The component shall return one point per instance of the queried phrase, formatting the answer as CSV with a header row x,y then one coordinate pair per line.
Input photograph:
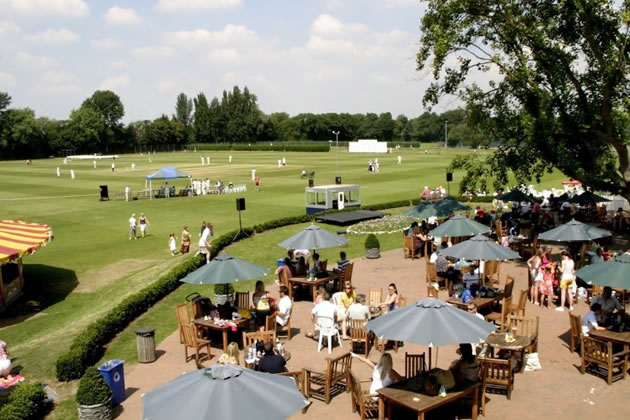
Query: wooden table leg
x,y
290,290
420,415
225,340
475,404
381,408
314,291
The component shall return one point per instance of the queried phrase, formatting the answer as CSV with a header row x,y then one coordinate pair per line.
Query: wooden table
x,y
612,336
481,302
421,403
209,323
498,341
304,281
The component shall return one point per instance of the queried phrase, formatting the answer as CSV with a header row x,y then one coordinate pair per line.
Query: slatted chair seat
x,y
363,401
335,379
599,354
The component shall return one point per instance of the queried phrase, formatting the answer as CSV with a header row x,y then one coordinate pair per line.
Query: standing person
x,y
204,243
257,182
383,373
167,190
144,223
284,161
113,166
72,173
132,226
202,161
566,281
399,159
133,166
392,302
185,241
172,244
253,174
94,163
534,264
230,159
58,171
127,191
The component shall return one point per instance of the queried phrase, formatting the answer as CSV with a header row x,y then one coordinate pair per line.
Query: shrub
x,y
26,402
93,388
372,242
388,205
219,289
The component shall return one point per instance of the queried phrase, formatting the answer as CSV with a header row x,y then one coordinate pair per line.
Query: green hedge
x,y
388,205
264,147
26,402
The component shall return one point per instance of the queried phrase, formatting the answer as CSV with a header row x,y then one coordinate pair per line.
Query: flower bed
x,y
382,226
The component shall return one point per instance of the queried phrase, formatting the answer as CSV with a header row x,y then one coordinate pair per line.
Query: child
x,y
546,285
172,243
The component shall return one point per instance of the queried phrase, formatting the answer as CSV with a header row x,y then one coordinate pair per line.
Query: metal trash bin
x,y
114,374
145,342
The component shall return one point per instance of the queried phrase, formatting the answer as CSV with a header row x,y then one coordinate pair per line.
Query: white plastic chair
x,y
336,298
328,328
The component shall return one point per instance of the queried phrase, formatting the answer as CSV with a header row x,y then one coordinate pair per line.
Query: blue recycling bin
x,y
280,262
114,374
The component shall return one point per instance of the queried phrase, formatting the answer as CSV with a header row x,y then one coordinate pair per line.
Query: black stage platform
x,y
349,217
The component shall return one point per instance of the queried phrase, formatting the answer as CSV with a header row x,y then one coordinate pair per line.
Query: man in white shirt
x,y
607,303
132,226
589,320
204,244
284,307
324,309
359,310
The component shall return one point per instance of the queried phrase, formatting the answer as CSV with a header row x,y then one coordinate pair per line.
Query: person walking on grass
x,y
172,244
257,182
132,226
144,224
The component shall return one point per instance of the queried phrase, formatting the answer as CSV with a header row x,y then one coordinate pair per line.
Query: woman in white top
x,y
566,281
383,373
534,264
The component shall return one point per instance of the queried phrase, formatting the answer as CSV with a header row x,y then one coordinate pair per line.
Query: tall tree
x,y
201,123
184,112
559,91
108,105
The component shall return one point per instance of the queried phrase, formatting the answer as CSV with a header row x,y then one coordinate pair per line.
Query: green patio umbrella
x,y
613,273
516,196
224,269
442,208
574,231
588,197
313,237
459,226
480,248
225,392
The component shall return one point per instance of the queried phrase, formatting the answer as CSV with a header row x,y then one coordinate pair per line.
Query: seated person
x,y
393,299
301,268
461,263
608,305
263,302
359,310
341,265
462,372
231,355
316,268
323,309
347,298
272,362
5,363
284,268
383,373
589,320
284,307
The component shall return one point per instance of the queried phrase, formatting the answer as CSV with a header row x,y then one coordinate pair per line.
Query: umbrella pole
x,y
429,358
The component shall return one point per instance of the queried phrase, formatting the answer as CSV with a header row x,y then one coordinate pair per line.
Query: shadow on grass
x,y
44,286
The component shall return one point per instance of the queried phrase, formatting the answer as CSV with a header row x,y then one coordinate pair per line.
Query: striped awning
x,y
19,238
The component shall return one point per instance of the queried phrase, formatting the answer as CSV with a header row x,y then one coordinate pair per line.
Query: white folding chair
x,y
327,328
336,298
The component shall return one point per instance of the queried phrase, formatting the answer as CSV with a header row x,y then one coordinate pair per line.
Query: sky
x,y
316,56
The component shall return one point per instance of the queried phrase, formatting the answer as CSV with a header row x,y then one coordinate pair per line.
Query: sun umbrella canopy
x,y
167,173
574,231
588,197
442,208
19,238
431,322
225,392
516,196
613,273
459,226
313,237
480,248
225,269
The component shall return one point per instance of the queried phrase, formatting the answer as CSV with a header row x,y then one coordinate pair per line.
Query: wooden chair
x,y
490,271
527,327
346,275
249,338
531,248
332,380
375,296
284,280
496,374
500,318
432,276
595,291
432,291
183,318
323,265
280,328
409,251
299,376
576,331
600,353
414,364
191,340
197,312
362,400
359,335
509,286
271,326
519,308
242,300
499,228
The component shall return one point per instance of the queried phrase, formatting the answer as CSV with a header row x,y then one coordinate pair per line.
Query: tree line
x,y
96,126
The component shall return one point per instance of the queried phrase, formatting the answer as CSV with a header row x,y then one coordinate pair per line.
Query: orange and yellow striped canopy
x,y
19,238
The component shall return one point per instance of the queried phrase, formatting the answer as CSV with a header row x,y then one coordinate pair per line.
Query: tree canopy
x,y
558,89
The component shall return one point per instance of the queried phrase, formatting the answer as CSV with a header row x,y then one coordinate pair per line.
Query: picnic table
x,y
304,281
421,403
210,324
612,336
480,302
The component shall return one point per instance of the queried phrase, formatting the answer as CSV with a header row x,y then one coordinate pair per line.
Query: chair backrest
x,y
299,378
284,279
509,286
190,335
431,273
336,298
597,290
357,330
576,324
505,310
346,274
525,326
242,299
338,368
402,301
323,265
376,296
271,325
408,243
496,371
197,311
325,324
183,316
597,351
499,228
414,364
522,299
250,337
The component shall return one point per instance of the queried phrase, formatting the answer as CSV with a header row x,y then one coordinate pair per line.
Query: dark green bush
x,y
388,205
93,388
372,242
26,402
219,289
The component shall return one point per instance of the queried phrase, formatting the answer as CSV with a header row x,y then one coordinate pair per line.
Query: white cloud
x,y
122,16
57,82
328,73
26,59
224,55
152,53
115,82
6,80
118,64
71,8
107,43
10,35
331,46
53,37
230,35
195,5
326,25
58,78
166,86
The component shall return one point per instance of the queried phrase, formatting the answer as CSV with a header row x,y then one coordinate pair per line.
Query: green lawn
x,y
91,265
